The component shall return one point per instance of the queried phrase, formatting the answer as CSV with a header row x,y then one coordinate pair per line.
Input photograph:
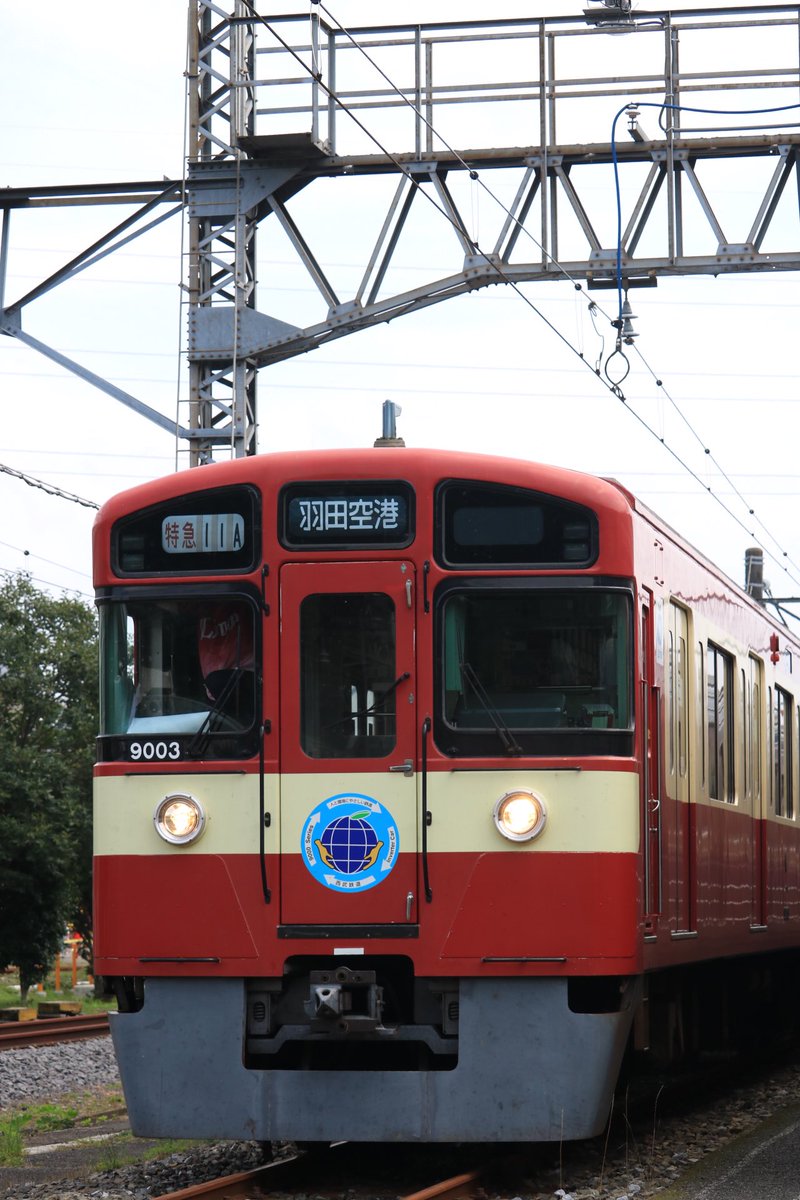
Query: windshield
x,y
525,669
174,666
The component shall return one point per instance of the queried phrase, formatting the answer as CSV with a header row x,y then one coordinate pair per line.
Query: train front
x,y
367,798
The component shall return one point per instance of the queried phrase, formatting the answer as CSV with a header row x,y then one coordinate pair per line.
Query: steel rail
x,y
265,1180
47,1031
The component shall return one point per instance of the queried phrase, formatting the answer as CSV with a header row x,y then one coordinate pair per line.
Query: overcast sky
x,y
96,92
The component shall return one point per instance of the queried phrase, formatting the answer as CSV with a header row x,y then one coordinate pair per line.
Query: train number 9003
x,y
155,751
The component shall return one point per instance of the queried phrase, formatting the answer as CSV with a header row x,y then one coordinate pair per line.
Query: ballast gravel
x,y
637,1163
42,1072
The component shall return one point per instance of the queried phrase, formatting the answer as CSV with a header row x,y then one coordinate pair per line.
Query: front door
x,y
348,787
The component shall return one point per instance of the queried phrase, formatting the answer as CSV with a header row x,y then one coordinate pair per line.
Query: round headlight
x,y
179,818
519,816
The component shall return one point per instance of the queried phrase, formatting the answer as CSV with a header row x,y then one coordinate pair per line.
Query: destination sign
x,y
203,533
375,515
213,530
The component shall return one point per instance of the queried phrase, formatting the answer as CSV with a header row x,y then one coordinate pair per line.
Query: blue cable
x,y
718,112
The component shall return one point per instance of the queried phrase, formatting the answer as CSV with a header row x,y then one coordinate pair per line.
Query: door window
x,y
348,677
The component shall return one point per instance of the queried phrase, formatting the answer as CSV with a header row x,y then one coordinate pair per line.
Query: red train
x,y
427,783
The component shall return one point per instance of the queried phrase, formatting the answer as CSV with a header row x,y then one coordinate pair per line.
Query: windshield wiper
x,y
510,743
199,743
377,703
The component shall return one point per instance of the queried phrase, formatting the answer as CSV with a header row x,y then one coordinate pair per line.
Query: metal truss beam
x,y
265,339
148,196
319,105
280,104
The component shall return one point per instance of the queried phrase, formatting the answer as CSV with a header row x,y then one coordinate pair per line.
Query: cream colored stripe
x,y
586,810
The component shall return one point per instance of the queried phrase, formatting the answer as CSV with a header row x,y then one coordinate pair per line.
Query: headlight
x,y
179,819
519,816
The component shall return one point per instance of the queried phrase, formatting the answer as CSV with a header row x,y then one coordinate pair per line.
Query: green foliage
x,y
48,722
52,1116
9,998
12,1146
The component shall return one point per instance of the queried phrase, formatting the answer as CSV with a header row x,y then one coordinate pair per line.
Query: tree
x,y
48,722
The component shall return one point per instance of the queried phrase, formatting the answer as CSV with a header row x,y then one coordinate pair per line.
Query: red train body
x,y
427,783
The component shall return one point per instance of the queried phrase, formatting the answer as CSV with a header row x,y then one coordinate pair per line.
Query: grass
x,y
78,1110
12,1145
36,1119
53,1116
118,1151
113,1156
9,996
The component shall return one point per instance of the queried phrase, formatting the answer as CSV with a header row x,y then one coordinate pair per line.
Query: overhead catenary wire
x,y
416,184
594,366
9,574
593,306
613,385
49,561
473,174
49,488
725,474
632,108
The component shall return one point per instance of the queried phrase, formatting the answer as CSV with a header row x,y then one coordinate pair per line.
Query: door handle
x,y
404,768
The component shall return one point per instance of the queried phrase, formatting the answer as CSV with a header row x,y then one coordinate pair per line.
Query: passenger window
x,y
720,725
782,753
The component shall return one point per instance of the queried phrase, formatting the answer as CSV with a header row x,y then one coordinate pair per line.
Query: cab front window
x,y
541,669
183,668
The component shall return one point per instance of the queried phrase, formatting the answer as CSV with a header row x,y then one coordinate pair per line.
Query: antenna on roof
x,y
391,412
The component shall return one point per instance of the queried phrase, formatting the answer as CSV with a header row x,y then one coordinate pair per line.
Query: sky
x,y
96,92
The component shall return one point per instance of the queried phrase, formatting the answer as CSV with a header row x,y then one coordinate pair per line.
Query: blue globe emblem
x,y
349,845
350,842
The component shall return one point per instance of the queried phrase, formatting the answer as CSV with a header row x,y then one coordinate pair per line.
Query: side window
x,y
782,724
755,754
720,718
682,705
677,691
672,715
699,726
745,717
348,678
771,798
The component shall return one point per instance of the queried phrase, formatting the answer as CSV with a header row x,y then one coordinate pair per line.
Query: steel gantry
x,y
672,112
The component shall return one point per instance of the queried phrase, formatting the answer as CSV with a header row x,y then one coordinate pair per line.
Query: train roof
x,y
429,467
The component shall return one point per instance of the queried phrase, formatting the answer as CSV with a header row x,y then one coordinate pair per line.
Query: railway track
x,y
46,1031
265,1181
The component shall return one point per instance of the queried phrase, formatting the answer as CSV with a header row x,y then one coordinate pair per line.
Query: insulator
x,y
628,316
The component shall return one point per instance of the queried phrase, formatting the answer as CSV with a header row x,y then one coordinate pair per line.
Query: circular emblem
x,y
350,843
